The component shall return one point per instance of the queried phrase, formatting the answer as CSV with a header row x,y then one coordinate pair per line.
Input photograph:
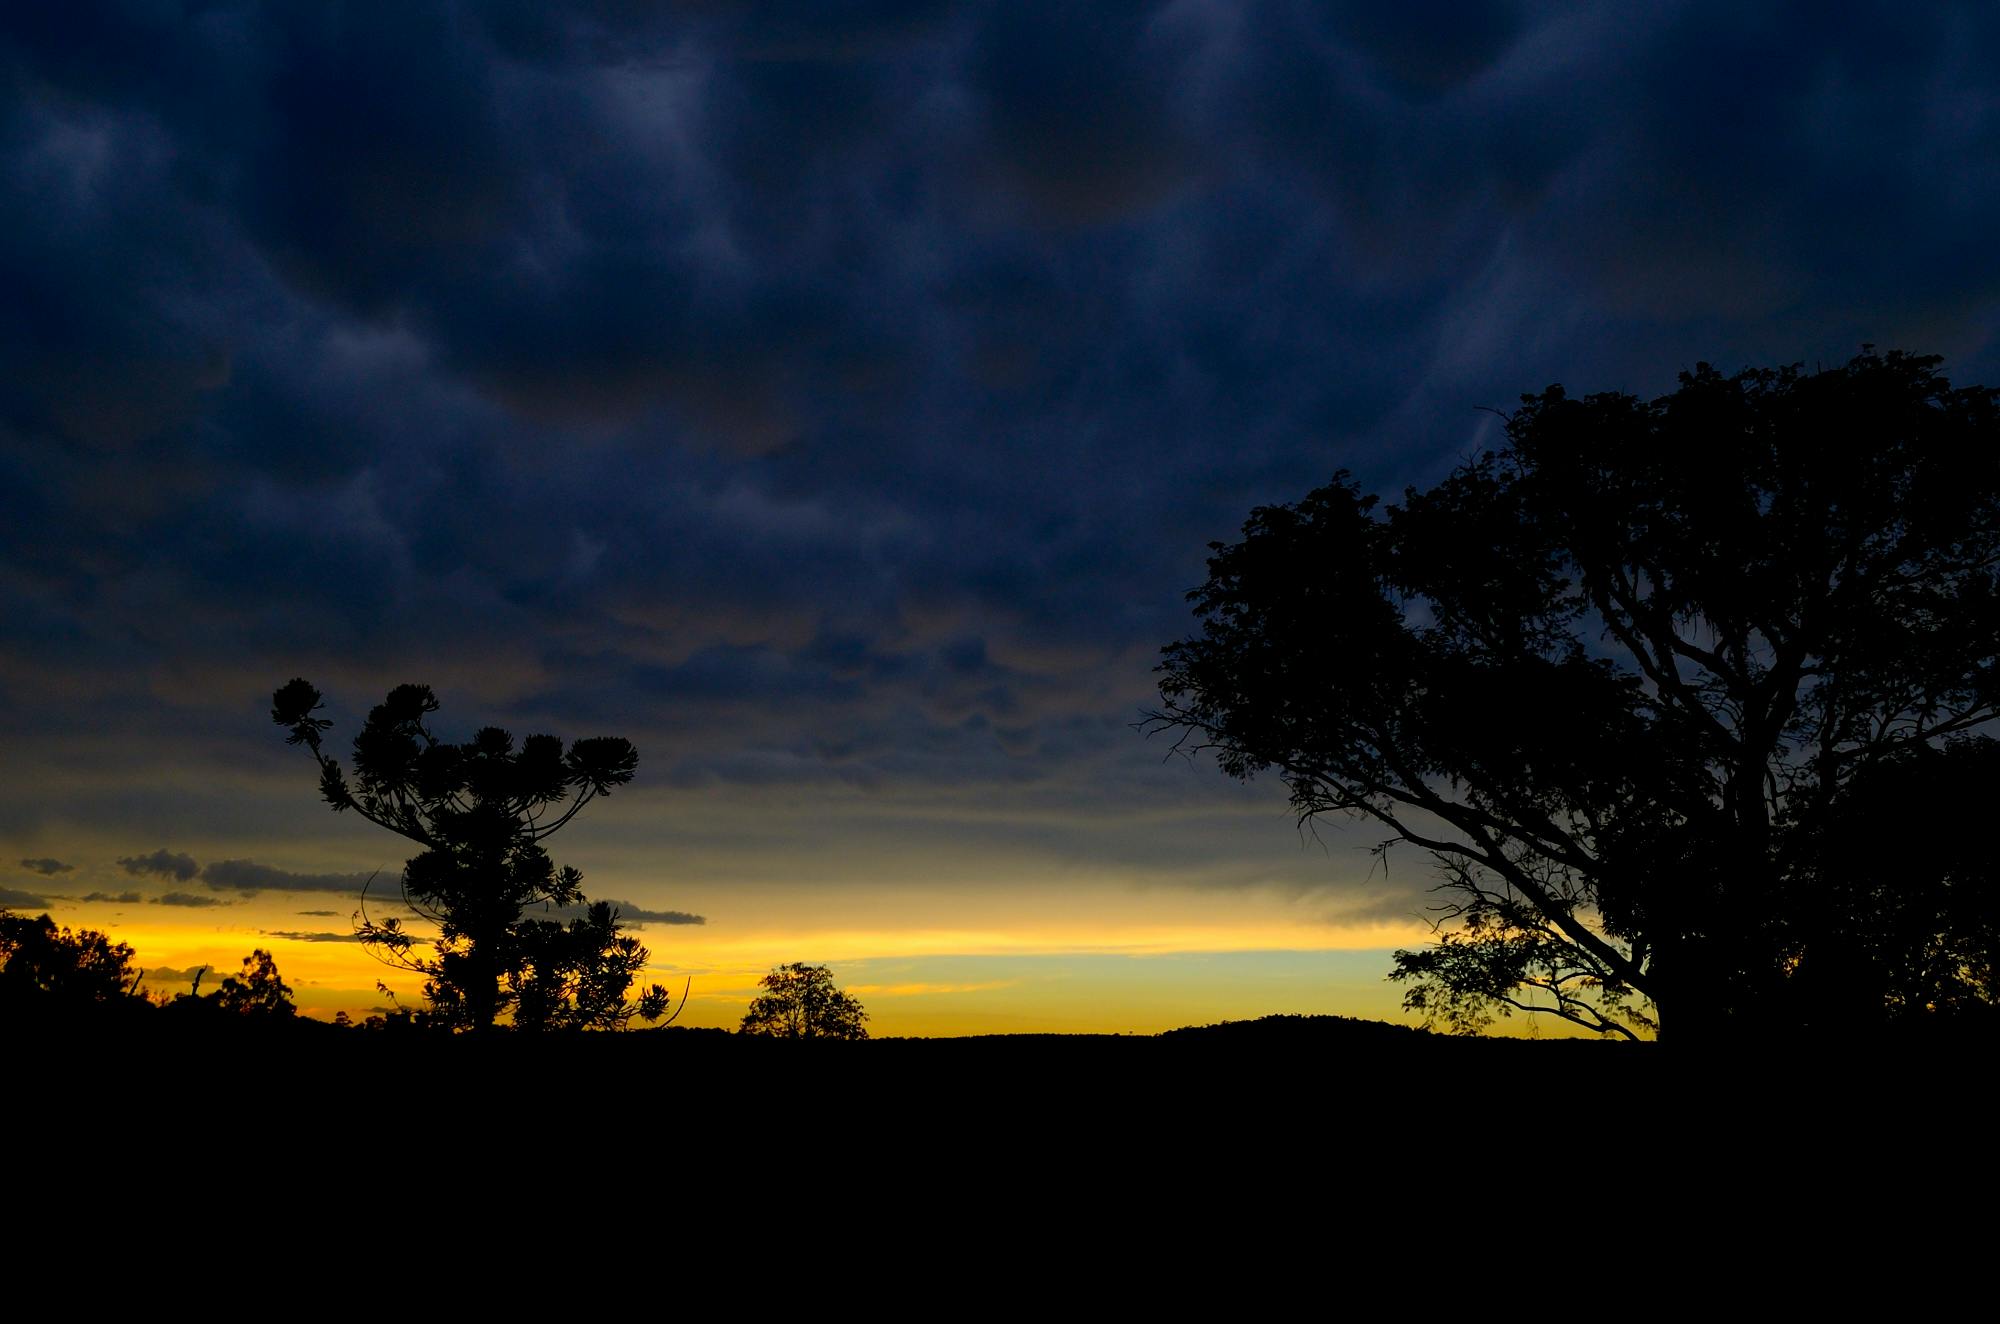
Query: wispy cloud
x,y
250,877
165,863
191,900
247,877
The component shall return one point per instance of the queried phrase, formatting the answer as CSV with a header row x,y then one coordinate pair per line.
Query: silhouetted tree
x,y
800,1002
1899,924
44,968
481,811
257,994
258,991
574,977
1638,680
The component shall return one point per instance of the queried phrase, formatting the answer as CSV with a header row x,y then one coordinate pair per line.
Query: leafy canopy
x,y
43,967
481,811
258,991
800,1002
257,994
1634,679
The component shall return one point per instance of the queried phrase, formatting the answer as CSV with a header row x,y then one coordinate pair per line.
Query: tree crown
x,y
43,965
481,810
1620,674
801,1002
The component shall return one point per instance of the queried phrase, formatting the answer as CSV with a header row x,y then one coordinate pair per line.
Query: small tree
x,y
481,811
800,1002
258,991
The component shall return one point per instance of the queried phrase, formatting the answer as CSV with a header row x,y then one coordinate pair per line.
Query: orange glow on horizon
x,y
722,971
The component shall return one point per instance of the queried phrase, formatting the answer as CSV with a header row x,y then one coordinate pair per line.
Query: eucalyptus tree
x,y
1647,681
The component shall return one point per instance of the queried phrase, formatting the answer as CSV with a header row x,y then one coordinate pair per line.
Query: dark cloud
x,y
12,896
162,862
628,913
192,900
1425,50
835,396
119,898
47,867
250,878
319,913
300,936
1080,106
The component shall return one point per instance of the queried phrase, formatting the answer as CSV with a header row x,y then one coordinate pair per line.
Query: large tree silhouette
x,y
481,811
1638,680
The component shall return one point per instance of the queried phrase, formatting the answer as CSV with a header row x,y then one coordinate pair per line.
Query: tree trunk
x,y
1689,996
482,986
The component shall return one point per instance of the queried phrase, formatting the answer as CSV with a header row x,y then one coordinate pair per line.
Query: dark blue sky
x,y
839,398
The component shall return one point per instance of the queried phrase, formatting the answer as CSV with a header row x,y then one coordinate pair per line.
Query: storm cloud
x,y
844,397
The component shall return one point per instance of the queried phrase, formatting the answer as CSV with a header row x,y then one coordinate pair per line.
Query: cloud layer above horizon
x,y
842,397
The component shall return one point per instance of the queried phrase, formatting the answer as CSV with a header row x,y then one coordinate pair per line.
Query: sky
x,y
838,402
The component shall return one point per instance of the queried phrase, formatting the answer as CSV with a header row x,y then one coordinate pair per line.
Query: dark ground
x,y
1260,1160
1296,1074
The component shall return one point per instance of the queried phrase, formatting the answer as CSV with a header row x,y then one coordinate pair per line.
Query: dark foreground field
x,y
1231,1150
1239,1082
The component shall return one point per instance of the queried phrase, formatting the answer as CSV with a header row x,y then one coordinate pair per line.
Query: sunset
x,y
959,924
1070,506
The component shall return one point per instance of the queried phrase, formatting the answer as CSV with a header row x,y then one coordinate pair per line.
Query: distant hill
x,y
1321,1031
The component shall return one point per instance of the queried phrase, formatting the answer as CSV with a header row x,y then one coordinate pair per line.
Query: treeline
x,y
55,976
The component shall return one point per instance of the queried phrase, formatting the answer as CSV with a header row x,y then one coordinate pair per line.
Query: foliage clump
x,y
801,1002
1667,689
480,810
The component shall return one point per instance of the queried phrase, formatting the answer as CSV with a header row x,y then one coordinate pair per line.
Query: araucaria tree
x,y
1690,698
480,811
800,1002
